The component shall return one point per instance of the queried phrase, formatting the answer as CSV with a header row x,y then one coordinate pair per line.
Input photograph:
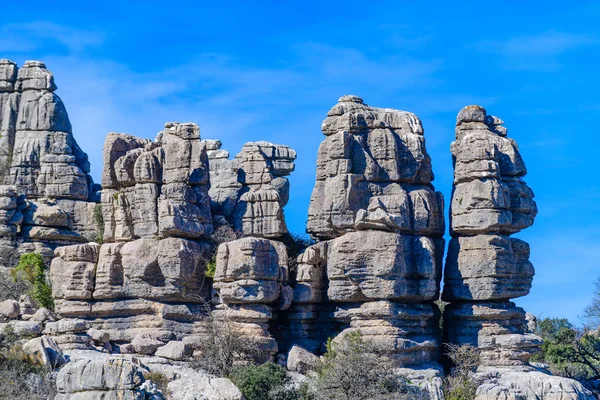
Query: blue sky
x,y
248,71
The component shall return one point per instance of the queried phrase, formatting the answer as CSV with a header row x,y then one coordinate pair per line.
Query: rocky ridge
x,y
47,197
141,296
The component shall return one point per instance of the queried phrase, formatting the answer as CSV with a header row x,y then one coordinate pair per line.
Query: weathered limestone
x,y
251,190
377,267
485,267
146,284
251,275
45,171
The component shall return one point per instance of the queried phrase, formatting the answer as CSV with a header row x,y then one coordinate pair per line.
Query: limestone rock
x,y
174,350
9,309
301,361
528,383
487,267
372,152
372,265
250,270
45,351
496,328
111,379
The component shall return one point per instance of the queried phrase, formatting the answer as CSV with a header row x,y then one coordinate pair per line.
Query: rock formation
x,y
485,267
252,272
146,284
48,197
377,266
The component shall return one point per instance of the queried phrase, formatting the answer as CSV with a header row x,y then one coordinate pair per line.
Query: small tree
x,y
32,270
460,383
355,369
224,347
264,382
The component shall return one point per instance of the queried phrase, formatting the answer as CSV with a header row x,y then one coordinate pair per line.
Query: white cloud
x,y
536,52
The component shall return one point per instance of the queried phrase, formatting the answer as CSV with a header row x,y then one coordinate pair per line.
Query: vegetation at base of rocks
x,y
99,221
264,382
224,348
592,311
461,384
159,379
355,369
11,288
31,269
22,376
570,352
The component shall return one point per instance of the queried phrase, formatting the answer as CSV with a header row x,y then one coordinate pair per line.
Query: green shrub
x,y
356,369
31,269
22,376
460,384
211,267
264,382
160,380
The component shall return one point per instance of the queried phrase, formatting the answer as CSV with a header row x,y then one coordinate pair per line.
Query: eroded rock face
x,y
251,190
44,169
146,284
373,172
377,266
486,267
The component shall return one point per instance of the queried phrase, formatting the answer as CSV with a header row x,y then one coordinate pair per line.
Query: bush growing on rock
x,y
264,382
224,348
460,383
22,376
31,269
570,352
355,369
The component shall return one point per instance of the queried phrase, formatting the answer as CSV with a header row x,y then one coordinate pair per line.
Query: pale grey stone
x,y
174,350
45,351
301,360
9,309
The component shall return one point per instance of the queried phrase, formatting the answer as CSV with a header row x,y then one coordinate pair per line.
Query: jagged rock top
x,y
351,114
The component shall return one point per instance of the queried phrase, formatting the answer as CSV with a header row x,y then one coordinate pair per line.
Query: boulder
x,y
9,309
301,360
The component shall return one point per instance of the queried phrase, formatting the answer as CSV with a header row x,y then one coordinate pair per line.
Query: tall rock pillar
x,y
379,223
251,277
486,267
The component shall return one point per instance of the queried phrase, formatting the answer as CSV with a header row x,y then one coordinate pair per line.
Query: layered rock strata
x,y
146,284
251,277
41,165
377,266
485,266
251,187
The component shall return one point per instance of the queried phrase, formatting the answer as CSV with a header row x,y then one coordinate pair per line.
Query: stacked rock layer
x,y
251,275
485,266
146,284
42,167
377,266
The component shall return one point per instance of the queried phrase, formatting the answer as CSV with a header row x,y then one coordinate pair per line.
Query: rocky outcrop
x,y
251,277
111,378
251,190
376,268
485,267
146,284
48,197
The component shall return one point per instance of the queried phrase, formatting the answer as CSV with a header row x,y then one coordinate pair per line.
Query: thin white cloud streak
x,y
539,52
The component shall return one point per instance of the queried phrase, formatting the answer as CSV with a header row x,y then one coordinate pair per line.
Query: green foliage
x,y
211,267
355,369
460,383
441,306
568,351
99,221
17,369
264,382
160,380
31,269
